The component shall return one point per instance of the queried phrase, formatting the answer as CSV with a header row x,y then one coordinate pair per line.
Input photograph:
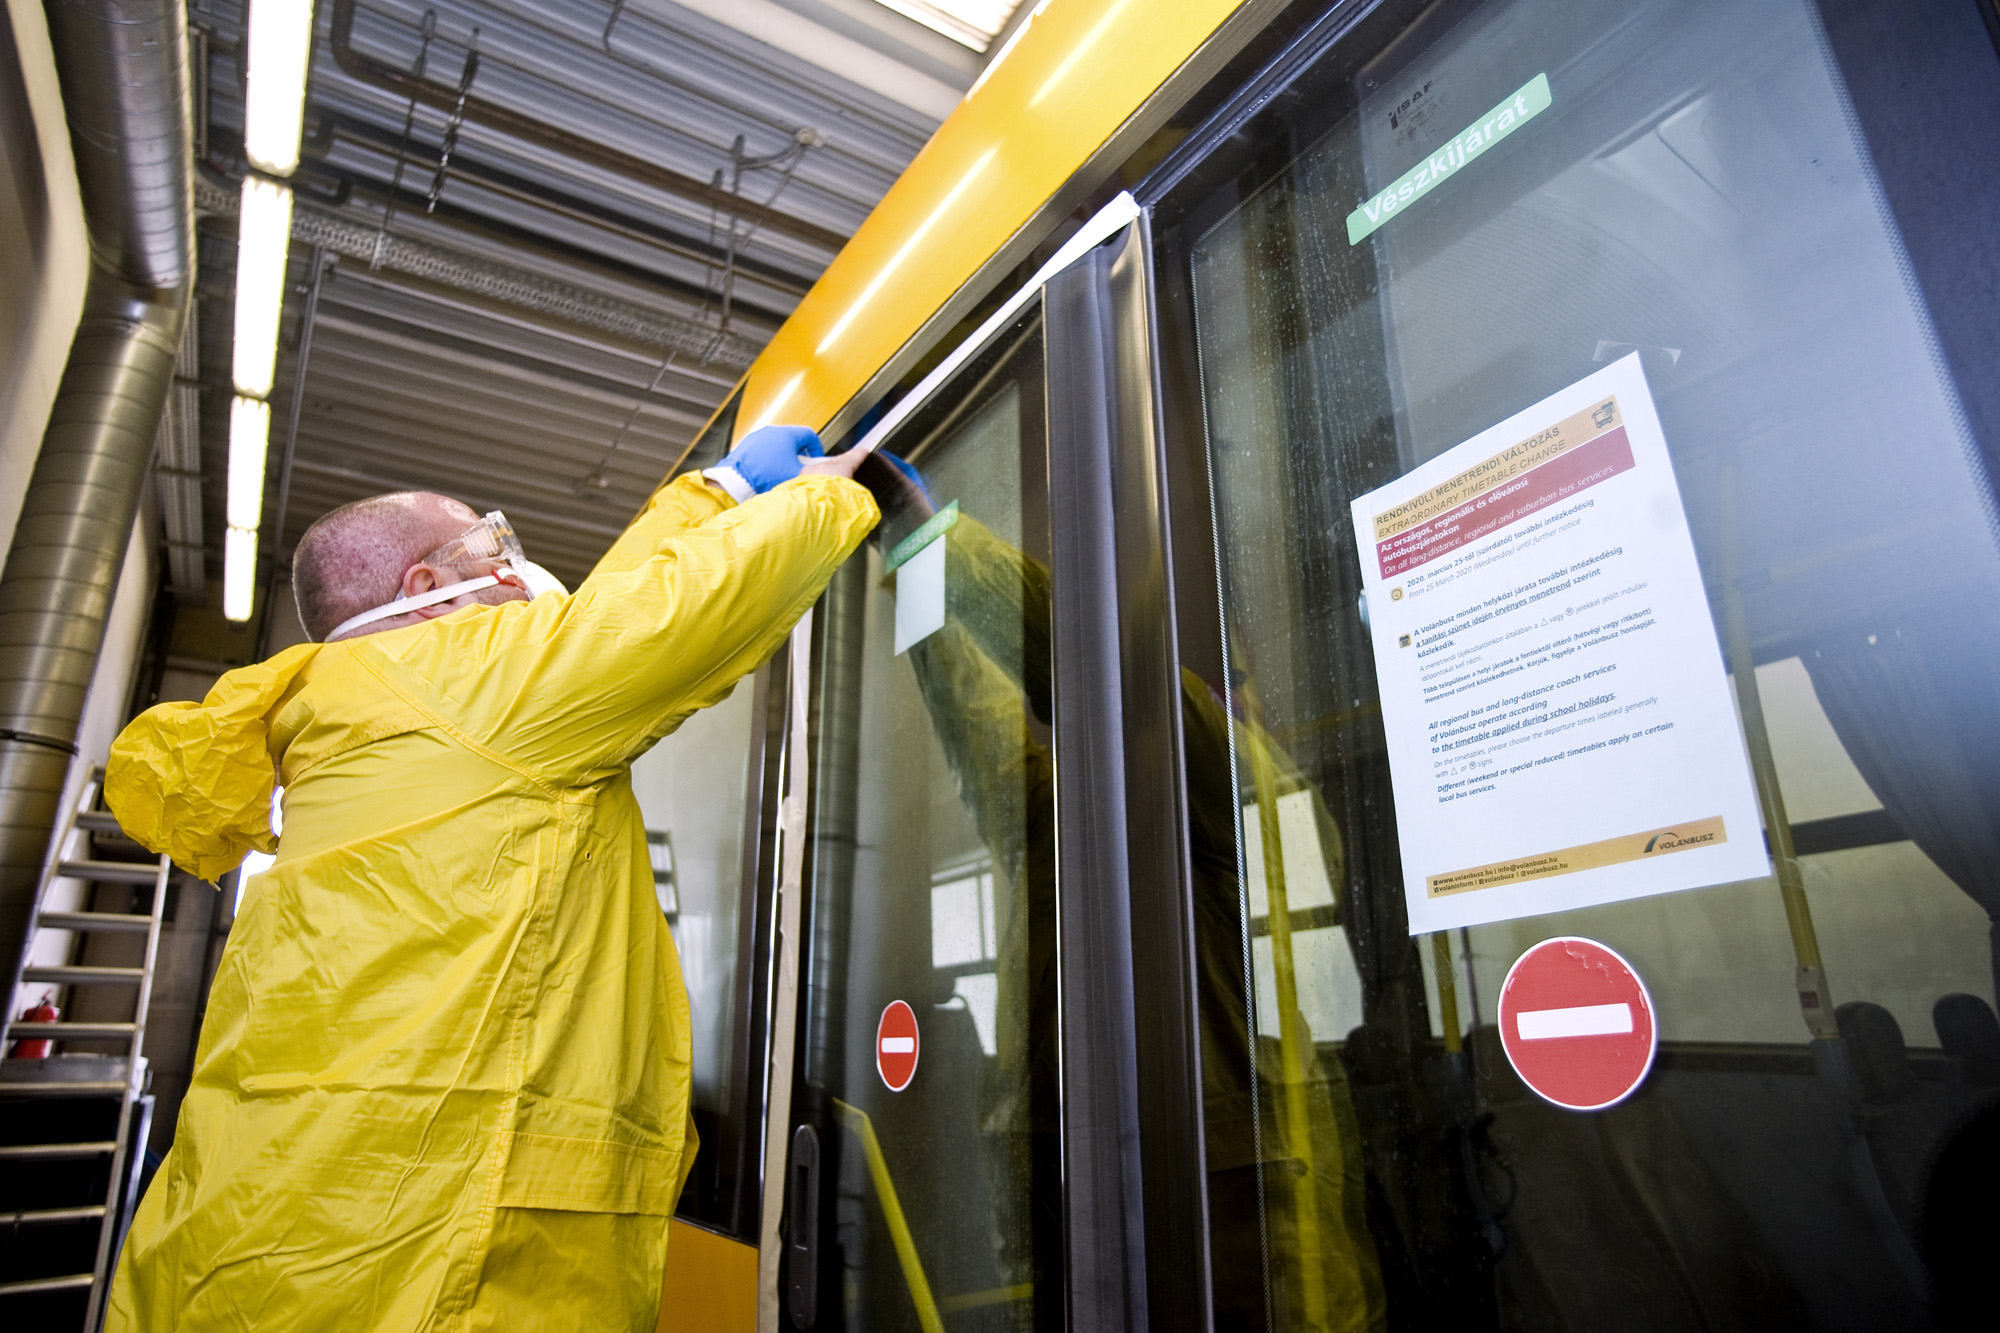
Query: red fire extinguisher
x,y
36,1048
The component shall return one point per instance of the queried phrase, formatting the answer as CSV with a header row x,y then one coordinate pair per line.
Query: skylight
x,y
973,23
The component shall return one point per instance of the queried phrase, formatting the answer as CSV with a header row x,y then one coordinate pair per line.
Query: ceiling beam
x,y
515,285
368,69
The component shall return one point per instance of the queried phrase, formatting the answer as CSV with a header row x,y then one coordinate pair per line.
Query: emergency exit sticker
x,y
927,532
1528,102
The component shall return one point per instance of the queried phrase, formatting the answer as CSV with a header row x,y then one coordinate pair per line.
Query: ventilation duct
x,y
124,75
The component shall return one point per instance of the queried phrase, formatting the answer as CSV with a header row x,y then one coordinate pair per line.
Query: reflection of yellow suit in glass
x,y
443,1079
1281,1136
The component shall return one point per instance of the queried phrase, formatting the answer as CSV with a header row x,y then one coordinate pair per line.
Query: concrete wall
x,y
44,266
104,711
45,259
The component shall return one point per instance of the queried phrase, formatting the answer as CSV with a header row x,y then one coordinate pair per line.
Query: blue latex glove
x,y
908,469
769,456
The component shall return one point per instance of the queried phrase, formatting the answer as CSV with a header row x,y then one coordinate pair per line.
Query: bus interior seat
x,y
1969,1031
1883,1074
1646,1191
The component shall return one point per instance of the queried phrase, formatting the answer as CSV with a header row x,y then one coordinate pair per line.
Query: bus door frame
x,y
1136,1177
1135,1212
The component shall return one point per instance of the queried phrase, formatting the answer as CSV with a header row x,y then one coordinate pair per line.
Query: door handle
x,y
802,1238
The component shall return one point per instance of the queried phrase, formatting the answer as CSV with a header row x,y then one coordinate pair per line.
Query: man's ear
x,y
420,578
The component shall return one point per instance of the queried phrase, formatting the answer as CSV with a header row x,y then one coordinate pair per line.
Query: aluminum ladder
x,y
64,1165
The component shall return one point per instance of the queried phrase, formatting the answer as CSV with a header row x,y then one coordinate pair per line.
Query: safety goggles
x,y
489,541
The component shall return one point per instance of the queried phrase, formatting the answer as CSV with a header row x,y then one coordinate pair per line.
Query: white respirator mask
x,y
490,540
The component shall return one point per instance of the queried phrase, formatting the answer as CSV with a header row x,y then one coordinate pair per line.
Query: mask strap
x,y
406,604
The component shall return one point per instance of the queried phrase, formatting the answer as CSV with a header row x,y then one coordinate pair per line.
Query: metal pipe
x,y
124,74
369,70
1815,1000
1298,1058
905,1242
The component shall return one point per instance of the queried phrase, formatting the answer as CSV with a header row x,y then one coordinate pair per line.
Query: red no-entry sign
x,y
896,1046
1577,1023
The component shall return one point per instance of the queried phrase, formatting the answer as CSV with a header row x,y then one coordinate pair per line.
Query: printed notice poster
x,y
1560,728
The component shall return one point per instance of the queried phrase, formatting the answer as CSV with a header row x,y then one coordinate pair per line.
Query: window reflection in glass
x,y
933,882
1696,192
693,790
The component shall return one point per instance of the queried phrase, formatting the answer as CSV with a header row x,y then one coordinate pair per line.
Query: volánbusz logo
x,y
1669,841
1621,850
1420,180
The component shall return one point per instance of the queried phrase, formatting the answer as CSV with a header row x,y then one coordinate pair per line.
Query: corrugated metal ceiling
x,y
432,373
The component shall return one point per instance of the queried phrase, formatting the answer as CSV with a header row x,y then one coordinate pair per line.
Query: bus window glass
x,y
932,883
693,788
1686,186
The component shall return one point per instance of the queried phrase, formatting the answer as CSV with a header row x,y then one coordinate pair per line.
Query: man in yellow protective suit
x,y
443,1079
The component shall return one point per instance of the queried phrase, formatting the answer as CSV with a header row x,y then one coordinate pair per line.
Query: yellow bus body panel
x,y
1077,73
711,1283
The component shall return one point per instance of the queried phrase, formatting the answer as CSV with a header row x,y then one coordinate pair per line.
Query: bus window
x,y
927,1067
701,791
1681,181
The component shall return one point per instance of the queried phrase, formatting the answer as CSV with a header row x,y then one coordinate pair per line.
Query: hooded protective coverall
x,y
443,1080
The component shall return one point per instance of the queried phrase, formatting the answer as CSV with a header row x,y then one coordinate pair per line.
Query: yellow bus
x,y
1420,744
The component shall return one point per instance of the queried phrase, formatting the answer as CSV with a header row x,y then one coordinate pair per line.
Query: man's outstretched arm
x,y
585,682
766,458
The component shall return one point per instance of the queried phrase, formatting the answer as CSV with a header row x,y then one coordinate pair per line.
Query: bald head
x,y
355,557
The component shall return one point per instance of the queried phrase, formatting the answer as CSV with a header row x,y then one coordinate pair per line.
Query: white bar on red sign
x,y
904,1045
1584,1020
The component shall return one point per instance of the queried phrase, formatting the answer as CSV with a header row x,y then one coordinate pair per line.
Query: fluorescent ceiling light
x,y
249,442
782,27
274,109
263,245
973,23
239,573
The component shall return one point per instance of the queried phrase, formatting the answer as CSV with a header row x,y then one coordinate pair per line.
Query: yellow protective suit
x,y
443,1078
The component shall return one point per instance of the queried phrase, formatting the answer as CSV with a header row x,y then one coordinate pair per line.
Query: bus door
x,y
924,1162
1426,223
982,972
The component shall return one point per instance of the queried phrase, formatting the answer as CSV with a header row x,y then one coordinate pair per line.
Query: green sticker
x,y
1420,180
933,527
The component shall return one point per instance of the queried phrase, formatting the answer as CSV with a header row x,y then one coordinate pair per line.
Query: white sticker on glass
x,y
920,596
